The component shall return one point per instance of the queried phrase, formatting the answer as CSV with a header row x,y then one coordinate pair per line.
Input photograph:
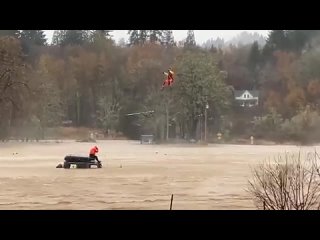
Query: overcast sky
x,y
200,35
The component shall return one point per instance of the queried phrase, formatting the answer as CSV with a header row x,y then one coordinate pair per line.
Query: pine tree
x,y
167,38
277,40
70,37
143,36
134,37
101,34
253,63
254,57
155,35
30,41
34,37
190,40
137,37
58,37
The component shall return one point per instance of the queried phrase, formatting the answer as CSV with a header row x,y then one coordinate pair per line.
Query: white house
x,y
247,98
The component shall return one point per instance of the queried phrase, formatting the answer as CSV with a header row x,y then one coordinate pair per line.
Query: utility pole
x,y
205,122
200,118
78,107
167,119
205,125
167,112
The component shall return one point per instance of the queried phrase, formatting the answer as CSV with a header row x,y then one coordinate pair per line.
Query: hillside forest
x,y
84,78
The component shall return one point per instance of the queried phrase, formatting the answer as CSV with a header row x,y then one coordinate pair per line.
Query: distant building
x,y
247,98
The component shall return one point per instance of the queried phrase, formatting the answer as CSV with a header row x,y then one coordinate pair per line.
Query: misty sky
x,y
200,35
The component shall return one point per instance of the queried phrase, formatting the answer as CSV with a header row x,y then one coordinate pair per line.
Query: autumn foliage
x,y
84,77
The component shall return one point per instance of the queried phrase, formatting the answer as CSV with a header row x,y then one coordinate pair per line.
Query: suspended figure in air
x,y
169,79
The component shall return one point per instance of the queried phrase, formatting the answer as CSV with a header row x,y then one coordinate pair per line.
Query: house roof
x,y
254,93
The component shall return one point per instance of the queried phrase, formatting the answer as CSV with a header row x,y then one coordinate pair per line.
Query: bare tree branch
x,y
287,185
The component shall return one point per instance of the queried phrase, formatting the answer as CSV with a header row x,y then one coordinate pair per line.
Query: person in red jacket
x,y
169,79
93,152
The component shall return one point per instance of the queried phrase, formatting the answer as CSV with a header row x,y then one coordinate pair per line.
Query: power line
x,y
138,113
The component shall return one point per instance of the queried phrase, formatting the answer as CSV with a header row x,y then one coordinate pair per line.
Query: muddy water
x,y
134,176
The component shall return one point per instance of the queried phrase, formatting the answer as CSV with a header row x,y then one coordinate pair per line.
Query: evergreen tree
x,y
190,40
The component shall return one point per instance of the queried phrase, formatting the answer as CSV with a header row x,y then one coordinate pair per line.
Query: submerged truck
x,y
71,161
